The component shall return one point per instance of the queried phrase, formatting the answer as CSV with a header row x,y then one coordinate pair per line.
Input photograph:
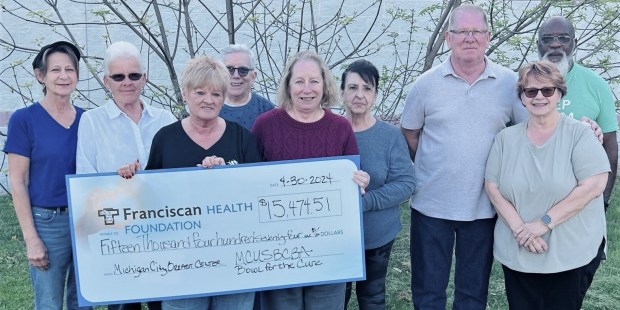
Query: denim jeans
x,y
241,301
432,243
152,305
317,297
371,292
49,284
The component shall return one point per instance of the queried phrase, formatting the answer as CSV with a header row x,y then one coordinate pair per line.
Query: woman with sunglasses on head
x,y
545,177
41,144
385,156
120,132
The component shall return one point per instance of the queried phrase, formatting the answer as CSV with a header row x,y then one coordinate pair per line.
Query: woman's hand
x,y
530,231
536,245
211,161
129,170
361,178
37,253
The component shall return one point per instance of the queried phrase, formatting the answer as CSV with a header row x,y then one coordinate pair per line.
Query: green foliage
x,y
14,278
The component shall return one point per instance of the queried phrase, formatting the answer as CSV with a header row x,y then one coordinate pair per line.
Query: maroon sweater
x,y
280,137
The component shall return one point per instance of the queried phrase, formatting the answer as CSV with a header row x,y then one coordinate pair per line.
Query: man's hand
x,y
598,132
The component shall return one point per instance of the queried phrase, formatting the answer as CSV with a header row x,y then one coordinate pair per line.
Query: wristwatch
x,y
546,219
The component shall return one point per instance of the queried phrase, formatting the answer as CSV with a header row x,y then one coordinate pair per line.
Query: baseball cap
x,y
37,62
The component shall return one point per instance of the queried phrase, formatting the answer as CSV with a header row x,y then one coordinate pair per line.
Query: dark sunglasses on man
x,y
119,77
243,71
532,92
563,39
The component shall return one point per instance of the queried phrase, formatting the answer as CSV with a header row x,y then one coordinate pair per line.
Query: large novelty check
x,y
197,232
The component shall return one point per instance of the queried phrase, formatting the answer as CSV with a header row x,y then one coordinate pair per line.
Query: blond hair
x,y
331,94
205,70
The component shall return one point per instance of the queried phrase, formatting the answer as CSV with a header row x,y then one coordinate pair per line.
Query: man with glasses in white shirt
x,y
242,105
451,116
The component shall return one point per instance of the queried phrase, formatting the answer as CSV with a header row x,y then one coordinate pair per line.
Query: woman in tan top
x,y
545,178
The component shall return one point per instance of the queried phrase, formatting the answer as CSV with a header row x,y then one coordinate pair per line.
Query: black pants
x,y
591,269
564,290
371,292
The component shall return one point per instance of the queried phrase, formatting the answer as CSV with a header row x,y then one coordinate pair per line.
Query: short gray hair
x,y
238,48
467,8
121,49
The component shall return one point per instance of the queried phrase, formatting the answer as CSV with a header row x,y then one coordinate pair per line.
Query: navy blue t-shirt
x,y
33,133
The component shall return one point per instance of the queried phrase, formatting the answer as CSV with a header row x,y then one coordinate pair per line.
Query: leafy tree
x,y
403,42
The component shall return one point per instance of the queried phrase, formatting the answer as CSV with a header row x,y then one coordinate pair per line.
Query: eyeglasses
x,y
464,33
562,39
533,92
119,77
243,71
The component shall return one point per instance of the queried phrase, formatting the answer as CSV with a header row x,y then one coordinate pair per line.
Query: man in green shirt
x,y
588,93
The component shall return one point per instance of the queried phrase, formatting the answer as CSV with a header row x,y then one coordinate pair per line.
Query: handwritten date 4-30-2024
x,y
300,180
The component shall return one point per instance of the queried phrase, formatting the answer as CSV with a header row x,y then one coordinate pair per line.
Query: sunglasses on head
x,y
562,39
243,71
119,77
532,92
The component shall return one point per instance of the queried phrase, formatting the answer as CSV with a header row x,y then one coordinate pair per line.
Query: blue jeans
x,y
152,305
432,243
241,301
371,292
49,285
317,297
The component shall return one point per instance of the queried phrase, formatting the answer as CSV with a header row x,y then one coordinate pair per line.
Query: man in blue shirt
x,y
242,105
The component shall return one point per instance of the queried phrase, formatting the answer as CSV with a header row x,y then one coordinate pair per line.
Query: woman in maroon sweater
x,y
304,127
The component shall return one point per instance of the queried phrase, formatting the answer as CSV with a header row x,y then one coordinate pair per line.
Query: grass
x,y
14,278
604,293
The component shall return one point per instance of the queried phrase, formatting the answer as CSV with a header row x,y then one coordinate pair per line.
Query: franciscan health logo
x,y
108,215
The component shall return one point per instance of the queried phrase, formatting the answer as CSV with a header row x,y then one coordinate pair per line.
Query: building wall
x,y
93,39
84,24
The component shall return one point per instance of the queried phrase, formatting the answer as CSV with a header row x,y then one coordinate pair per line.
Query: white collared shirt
x,y
109,139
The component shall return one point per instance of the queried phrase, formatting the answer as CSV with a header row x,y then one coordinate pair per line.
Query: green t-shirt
x,y
589,95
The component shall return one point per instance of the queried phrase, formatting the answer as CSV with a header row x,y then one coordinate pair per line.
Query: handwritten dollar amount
x,y
300,205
